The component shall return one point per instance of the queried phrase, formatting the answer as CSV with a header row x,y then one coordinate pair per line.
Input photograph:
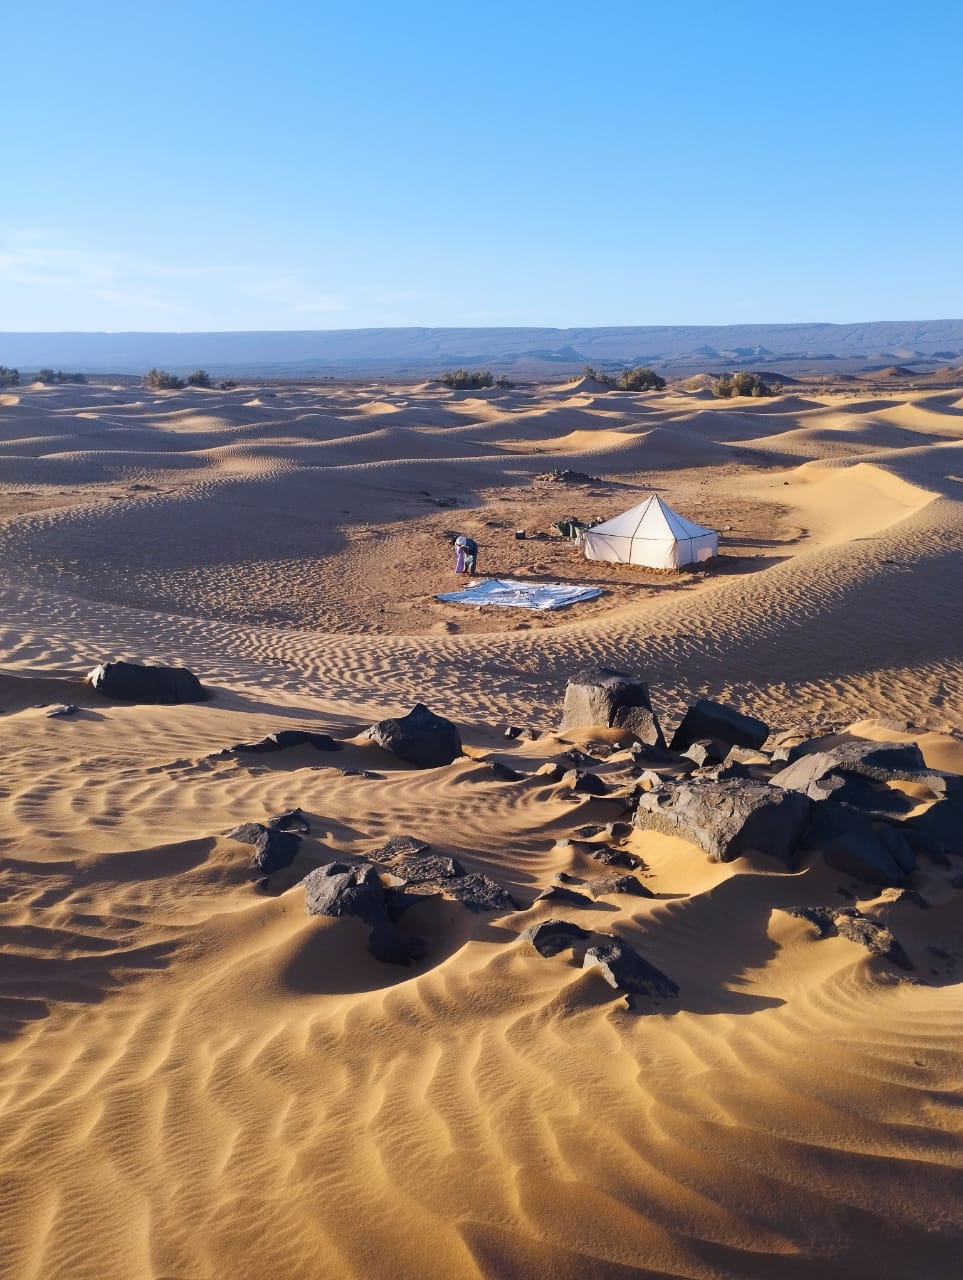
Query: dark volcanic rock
x,y
850,842
625,970
134,683
62,709
729,819
273,849
434,867
850,923
583,782
881,761
612,857
340,889
936,832
479,893
503,772
552,936
558,893
292,820
343,889
420,738
602,886
725,724
399,847
611,699
706,751
285,738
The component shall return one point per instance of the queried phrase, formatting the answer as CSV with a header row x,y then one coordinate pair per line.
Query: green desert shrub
x,y
8,377
740,384
640,379
199,378
466,379
161,380
49,375
597,375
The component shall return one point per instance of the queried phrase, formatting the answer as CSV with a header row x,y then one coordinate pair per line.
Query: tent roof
x,y
652,518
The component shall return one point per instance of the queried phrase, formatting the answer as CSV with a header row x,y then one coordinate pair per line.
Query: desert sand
x,y
198,1080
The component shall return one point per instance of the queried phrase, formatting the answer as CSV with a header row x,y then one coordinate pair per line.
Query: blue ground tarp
x,y
511,594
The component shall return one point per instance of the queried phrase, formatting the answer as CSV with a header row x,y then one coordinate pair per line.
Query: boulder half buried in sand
x,y
624,969
878,761
723,723
729,819
131,682
273,847
599,696
340,889
420,738
282,739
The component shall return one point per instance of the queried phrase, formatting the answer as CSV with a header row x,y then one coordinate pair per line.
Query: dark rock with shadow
x,y
585,783
420,738
552,936
603,886
718,721
624,969
273,848
880,761
131,682
729,819
343,889
401,846
284,739
599,696
852,843
568,897
849,922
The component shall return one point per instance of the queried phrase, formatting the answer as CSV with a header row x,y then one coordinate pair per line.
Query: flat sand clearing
x,y
199,1080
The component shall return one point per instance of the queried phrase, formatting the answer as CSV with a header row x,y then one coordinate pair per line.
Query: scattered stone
x,y
360,773
601,696
588,831
602,886
131,682
647,780
552,936
580,759
62,709
273,848
849,922
611,857
624,969
729,819
708,719
583,782
292,820
567,476
399,847
512,731
558,893
563,877
283,739
420,738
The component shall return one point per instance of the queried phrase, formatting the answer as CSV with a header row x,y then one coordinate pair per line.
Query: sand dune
x,y
200,1080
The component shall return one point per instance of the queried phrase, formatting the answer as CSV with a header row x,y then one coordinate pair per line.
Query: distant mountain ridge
x,y
423,351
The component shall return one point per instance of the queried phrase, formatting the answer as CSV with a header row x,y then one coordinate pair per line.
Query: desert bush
x,y
466,380
8,377
199,378
503,382
227,386
740,384
161,380
640,379
597,375
48,375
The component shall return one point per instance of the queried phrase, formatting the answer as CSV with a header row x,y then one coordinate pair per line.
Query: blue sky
x,y
308,165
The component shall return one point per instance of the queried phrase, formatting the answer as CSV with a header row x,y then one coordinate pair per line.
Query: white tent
x,y
651,534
